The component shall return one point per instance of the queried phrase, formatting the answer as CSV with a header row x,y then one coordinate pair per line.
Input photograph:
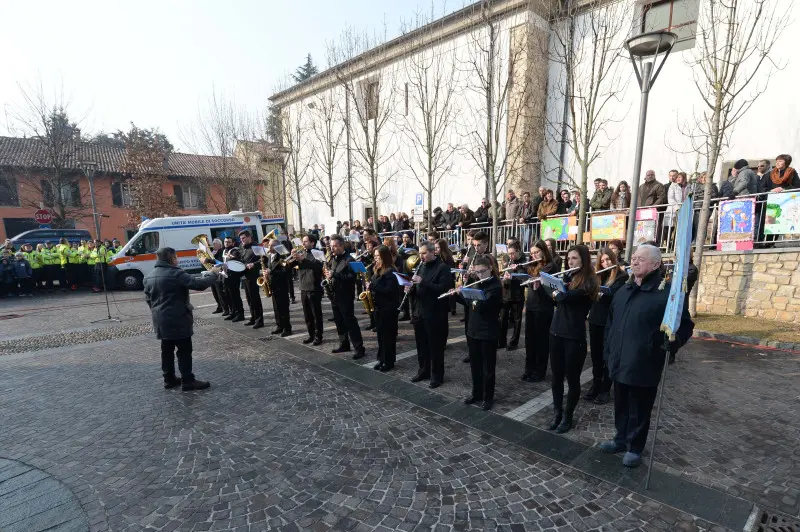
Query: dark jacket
x,y
769,185
344,278
166,291
482,214
652,193
745,182
699,191
309,274
248,257
386,292
6,272
484,316
601,201
638,359
527,211
466,218
438,220
436,280
278,273
512,291
563,206
397,225
569,319
450,218
541,300
599,313
21,269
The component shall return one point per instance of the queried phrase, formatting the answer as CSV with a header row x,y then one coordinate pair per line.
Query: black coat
x,y
278,273
599,313
634,342
248,257
451,218
385,292
344,278
482,215
541,299
512,291
166,291
309,274
569,319
484,316
436,280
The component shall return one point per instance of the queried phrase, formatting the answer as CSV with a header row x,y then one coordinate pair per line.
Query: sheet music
x,y
318,255
259,250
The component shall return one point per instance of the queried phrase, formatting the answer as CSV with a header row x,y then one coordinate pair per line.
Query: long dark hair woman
x,y
482,330
444,253
539,308
568,334
386,296
551,246
611,277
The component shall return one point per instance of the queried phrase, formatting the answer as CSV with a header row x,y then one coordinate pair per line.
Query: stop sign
x,y
43,216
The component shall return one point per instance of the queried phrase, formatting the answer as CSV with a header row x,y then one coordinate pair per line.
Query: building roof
x,y
30,153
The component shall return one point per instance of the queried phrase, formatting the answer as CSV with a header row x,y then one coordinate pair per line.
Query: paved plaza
x,y
293,438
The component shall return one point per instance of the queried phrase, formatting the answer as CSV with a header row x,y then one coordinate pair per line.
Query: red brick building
x,y
194,180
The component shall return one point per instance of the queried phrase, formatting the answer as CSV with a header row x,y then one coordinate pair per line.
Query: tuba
x,y
204,254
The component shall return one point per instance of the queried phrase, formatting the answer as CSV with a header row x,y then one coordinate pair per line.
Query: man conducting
x,y
166,291
634,352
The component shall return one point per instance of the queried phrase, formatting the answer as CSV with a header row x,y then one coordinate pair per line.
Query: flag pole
x,y
658,412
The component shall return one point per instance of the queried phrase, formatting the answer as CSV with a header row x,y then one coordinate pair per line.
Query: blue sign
x,y
677,292
44,226
418,200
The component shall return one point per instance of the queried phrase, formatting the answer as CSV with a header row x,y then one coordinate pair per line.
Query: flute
x,y
598,272
517,266
529,281
453,291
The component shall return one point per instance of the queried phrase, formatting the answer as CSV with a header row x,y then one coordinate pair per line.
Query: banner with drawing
x,y
608,226
557,228
735,227
783,213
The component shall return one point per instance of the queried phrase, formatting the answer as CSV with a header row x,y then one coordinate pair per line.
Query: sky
x,y
157,62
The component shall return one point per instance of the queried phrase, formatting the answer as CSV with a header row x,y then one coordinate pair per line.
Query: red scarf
x,y
779,181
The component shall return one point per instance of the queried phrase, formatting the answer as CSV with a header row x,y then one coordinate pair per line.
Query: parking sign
x,y
419,200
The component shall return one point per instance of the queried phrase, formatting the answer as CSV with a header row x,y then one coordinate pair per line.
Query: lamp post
x,y
646,50
89,168
284,151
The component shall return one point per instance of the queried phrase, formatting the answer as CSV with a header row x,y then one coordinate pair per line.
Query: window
x,y
371,101
127,194
144,243
677,16
70,193
189,196
8,191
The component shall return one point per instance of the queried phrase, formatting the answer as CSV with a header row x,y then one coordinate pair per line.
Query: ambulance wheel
x,y
130,280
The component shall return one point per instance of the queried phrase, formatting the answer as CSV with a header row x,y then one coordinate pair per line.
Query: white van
x,y
138,257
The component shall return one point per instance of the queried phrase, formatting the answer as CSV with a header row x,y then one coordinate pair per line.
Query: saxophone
x,y
327,284
366,297
263,281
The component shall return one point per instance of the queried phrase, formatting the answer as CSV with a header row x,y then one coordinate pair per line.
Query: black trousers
x,y
386,325
254,299
280,304
97,275
633,406
216,291
347,324
431,337
184,355
537,342
566,360
234,294
291,284
312,312
599,367
50,275
482,362
26,285
512,310
466,316
62,277
72,272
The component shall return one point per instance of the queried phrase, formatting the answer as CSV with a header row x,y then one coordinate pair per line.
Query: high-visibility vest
x,y
93,257
73,256
35,258
63,254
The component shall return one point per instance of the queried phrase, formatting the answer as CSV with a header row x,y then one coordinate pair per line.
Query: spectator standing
x,y
744,180
564,201
651,192
526,214
675,196
450,217
537,199
783,176
483,213
548,206
7,285
438,219
576,203
510,207
601,200
466,217
621,197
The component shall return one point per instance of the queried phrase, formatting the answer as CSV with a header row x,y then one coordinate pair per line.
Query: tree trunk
x,y
299,205
330,188
582,206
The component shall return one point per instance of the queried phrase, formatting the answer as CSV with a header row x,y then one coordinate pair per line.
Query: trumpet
x,y
533,279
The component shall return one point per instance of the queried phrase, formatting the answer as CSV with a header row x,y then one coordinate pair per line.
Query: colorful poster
x,y
608,226
783,213
735,228
647,213
644,231
557,228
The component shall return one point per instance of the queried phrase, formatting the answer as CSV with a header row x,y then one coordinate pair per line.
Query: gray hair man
x,y
634,354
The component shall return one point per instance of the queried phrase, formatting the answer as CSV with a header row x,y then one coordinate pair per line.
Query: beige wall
x,y
762,284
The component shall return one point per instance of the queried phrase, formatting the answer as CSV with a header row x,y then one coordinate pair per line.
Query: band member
x,y
513,297
538,315
251,274
406,249
482,330
433,278
232,282
278,273
309,274
218,288
344,279
568,334
610,281
369,263
480,246
444,253
386,297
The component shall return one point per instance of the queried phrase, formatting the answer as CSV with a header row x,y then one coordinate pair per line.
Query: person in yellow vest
x,y
84,271
49,259
94,262
74,261
63,250
35,259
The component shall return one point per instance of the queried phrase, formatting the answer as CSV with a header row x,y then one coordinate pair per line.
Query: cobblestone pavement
x,y
279,443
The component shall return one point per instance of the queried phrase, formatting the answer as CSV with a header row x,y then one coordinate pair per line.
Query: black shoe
x,y
487,405
452,312
511,347
277,331
249,323
591,394
171,382
308,340
285,333
331,319
229,317
385,368
195,385
317,341
434,384
536,378
259,324
671,358
565,424
294,301
359,354
525,377
556,420
236,318
465,360
471,400
217,311
225,313
404,317
602,398
378,366
420,377
341,349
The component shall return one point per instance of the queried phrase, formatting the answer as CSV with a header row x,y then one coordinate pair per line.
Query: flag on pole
x,y
677,292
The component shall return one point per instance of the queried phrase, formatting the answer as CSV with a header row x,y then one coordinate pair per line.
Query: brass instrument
x,y
327,284
263,281
204,256
367,300
412,261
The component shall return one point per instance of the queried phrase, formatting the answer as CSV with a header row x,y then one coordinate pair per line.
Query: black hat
x,y
741,163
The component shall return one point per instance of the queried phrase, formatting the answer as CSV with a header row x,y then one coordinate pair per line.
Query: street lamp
x,y
284,151
646,50
89,168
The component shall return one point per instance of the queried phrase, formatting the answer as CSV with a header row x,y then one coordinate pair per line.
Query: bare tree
x,y
371,102
298,160
328,131
731,64
587,41
58,153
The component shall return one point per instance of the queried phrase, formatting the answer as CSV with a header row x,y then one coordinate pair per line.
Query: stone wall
x,y
761,283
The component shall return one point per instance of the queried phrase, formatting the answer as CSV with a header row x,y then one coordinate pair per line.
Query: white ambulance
x,y
138,257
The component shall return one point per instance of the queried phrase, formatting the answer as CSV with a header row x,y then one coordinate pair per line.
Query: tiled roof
x,y
30,153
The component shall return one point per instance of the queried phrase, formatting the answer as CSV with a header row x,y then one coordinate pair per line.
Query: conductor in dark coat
x,y
634,354
166,291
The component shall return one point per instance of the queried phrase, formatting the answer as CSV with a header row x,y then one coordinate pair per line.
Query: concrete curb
x,y
748,340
